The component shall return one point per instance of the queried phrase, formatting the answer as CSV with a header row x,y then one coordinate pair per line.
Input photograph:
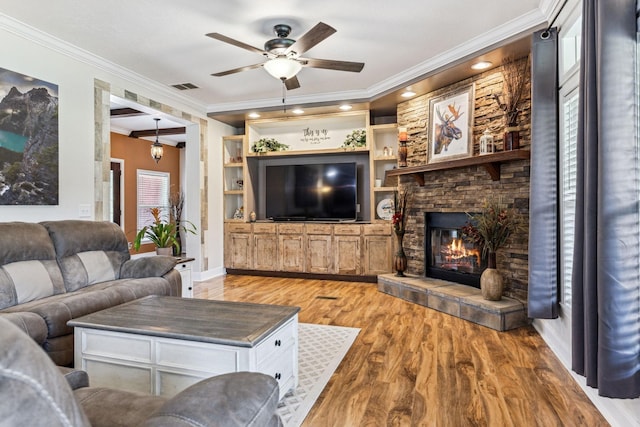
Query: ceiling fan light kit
x,y
282,68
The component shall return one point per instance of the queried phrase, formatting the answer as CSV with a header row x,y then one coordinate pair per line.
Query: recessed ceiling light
x,y
345,107
408,93
481,65
297,111
254,115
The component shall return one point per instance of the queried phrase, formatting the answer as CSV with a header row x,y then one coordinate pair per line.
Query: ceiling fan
x,y
284,60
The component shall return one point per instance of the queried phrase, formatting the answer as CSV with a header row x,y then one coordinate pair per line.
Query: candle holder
x,y
402,147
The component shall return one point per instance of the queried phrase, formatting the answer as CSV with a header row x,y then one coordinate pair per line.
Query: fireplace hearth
x,y
447,255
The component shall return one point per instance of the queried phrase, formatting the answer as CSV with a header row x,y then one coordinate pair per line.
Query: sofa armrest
x,y
75,377
236,399
30,323
151,266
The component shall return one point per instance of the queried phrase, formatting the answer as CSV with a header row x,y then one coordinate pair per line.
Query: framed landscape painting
x,y
450,125
28,140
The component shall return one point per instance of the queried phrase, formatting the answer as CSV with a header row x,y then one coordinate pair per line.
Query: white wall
x,y
27,51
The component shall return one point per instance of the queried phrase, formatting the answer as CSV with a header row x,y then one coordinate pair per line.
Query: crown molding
x,y
509,30
290,101
48,41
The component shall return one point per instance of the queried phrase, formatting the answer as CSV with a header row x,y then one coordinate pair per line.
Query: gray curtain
x,y
543,199
606,282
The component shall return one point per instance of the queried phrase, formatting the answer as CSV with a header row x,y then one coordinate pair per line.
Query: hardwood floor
x,y
413,366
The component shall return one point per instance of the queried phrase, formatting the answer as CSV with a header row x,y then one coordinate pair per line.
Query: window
x,y
568,138
153,191
570,41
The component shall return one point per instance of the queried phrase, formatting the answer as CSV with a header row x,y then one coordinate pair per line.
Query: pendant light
x,y
156,147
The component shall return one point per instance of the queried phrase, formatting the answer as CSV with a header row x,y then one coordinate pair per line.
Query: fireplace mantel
x,y
491,162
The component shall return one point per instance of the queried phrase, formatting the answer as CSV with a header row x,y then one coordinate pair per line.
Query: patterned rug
x,y
321,349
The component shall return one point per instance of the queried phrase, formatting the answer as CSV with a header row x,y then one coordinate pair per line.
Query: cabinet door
x,y
377,255
291,252
239,250
347,255
265,251
319,259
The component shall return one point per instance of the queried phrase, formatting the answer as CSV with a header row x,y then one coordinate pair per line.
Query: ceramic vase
x,y
491,283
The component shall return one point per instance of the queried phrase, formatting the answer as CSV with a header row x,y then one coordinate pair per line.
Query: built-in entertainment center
x,y
315,207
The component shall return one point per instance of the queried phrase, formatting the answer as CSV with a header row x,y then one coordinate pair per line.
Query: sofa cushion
x,y
88,252
25,281
24,241
33,390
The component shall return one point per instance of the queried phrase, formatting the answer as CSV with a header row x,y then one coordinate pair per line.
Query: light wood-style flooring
x,y
414,366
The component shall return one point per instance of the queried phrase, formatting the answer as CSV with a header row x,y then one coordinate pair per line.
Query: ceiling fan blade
x,y
237,43
311,38
331,64
237,70
292,83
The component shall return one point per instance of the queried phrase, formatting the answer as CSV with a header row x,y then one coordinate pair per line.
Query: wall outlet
x,y
84,211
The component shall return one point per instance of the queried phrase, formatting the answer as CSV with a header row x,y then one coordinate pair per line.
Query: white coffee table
x,y
161,345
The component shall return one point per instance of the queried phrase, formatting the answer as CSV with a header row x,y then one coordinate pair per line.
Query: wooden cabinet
x,y
377,252
265,246
238,246
347,242
344,249
318,248
291,247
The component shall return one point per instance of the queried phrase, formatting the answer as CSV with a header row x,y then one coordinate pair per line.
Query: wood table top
x,y
219,322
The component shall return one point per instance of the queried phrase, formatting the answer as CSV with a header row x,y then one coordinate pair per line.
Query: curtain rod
x,y
545,34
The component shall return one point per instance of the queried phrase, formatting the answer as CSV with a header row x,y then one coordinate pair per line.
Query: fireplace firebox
x,y
447,255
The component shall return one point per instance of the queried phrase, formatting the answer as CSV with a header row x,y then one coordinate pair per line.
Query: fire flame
x,y
457,250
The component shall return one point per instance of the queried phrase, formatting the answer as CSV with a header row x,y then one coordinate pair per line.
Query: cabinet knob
x,y
278,376
278,343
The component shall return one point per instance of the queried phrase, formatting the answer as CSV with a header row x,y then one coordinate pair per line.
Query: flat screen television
x,y
311,192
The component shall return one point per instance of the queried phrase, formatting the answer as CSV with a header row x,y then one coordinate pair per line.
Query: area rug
x,y
321,348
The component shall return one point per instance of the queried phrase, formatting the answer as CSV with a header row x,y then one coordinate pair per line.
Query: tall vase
x,y
400,259
511,138
491,283
176,251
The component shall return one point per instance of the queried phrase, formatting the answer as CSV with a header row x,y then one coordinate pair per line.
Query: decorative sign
x,y
314,136
317,133
28,140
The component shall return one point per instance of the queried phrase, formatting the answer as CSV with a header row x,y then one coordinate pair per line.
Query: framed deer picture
x,y
450,125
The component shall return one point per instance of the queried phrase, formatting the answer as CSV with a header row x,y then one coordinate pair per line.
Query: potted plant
x,y
264,145
356,139
176,205
163,234
489,230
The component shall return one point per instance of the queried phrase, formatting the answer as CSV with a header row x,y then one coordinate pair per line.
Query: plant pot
x,y
491,283
164,251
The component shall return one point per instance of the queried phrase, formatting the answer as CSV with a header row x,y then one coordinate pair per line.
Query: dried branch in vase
x,y
514,72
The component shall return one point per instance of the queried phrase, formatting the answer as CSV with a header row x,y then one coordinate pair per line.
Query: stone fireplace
x,y
447,255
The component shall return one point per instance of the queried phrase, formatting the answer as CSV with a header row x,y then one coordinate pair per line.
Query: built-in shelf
x,y
491,162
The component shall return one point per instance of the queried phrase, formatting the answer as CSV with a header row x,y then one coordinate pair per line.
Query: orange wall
x,y
136,155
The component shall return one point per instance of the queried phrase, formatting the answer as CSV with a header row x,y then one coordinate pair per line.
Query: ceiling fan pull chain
x,y
284,96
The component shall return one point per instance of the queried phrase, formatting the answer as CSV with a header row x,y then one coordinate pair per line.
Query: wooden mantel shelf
x,y
491,162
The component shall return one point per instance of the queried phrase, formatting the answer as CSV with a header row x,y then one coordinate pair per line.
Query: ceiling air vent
x,y
185,86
